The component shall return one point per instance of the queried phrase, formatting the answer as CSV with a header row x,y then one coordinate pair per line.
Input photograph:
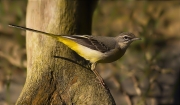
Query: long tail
x,y
29,29
61,38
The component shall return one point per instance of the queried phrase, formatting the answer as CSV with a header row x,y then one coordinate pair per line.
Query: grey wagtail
x,y
96,49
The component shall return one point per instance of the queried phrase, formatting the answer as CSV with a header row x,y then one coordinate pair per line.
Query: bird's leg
x,y
93,66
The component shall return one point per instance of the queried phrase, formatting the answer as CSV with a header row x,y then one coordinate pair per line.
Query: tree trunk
x,y
55,74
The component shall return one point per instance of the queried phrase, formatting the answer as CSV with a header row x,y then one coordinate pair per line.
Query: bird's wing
x,y
93,42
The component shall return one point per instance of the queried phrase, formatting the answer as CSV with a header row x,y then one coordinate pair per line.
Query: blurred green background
x,y
146,75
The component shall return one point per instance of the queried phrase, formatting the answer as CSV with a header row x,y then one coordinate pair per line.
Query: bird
x,y
96,49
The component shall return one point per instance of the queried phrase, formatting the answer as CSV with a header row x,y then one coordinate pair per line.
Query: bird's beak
x,y
136,39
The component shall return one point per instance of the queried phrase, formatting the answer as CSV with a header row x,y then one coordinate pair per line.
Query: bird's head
x,y
125,39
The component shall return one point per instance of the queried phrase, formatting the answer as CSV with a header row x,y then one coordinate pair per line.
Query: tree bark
x,y
56,75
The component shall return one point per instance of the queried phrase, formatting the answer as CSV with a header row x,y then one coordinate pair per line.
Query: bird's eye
x,y
126,38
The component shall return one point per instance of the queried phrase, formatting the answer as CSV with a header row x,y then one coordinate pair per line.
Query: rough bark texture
x,y
52,78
